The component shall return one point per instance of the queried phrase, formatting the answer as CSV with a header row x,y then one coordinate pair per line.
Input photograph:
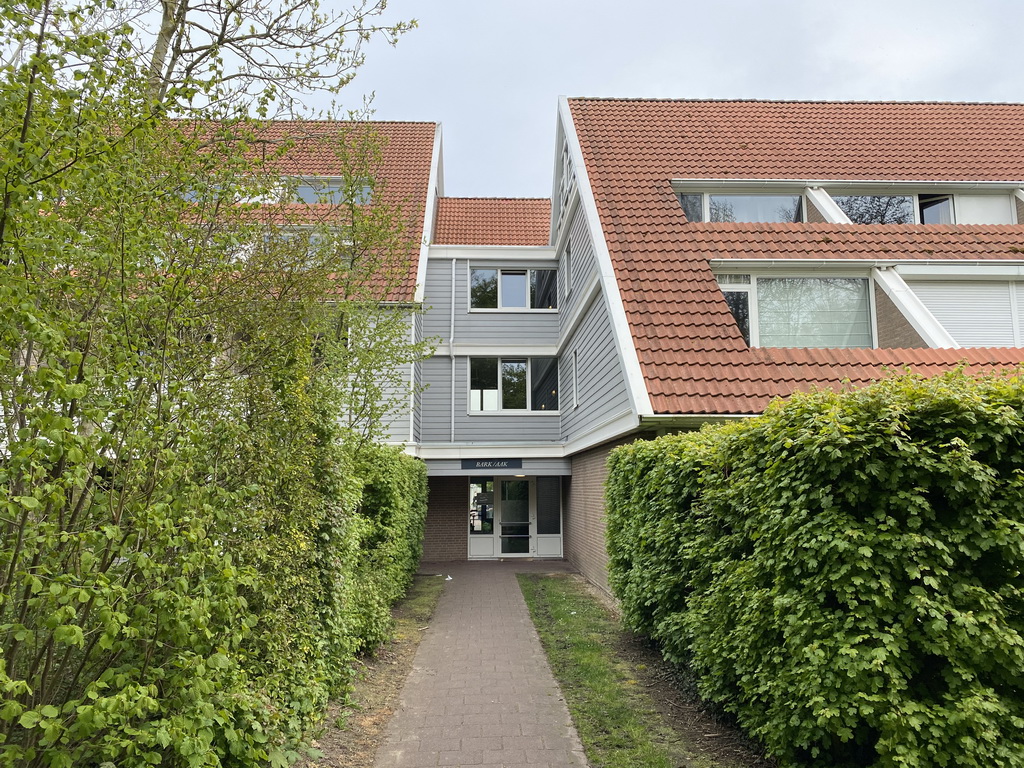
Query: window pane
x,y
877,209
483,384
693,207
515,505
756,208
513,289
549,518
543,289
813,312
513,384
936,209
544,383
481,505
739,305
483,289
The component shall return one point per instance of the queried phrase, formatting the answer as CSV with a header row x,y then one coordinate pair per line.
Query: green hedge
x,y
844,573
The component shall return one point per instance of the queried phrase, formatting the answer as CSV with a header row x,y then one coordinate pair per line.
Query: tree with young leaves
x,y
179,522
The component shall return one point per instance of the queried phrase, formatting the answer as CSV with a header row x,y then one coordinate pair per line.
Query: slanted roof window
x,y
828,312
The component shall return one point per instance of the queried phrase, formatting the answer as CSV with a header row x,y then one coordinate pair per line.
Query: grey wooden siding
x,y
492,327
519,427
417,381
602,392
396,421
435,402
582,268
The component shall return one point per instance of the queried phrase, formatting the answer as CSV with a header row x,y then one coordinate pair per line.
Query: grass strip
x,y
617,723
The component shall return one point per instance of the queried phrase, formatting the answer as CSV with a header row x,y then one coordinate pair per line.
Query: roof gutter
x,y
902,185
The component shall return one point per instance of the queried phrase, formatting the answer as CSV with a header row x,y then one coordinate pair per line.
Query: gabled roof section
x,y
691,354
796,140
493,221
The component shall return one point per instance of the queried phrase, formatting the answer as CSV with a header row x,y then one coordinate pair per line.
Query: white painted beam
x,y
917,314
823,201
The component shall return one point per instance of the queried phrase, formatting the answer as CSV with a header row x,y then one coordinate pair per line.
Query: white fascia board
x,y
490,450
505,350
435,188
692,420
501,253
867,185
826,205
962,270
919,268
614,427
913,309
638,394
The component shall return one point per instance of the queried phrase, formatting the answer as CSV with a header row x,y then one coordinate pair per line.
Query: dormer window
x,y
828,312
327,191
877,209
936,209
755,208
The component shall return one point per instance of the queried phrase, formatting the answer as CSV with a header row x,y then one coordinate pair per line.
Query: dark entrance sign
x,y
492,464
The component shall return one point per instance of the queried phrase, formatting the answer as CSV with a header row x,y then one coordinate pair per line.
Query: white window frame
x,y
706,200
529,387
752,304
575,378
500,271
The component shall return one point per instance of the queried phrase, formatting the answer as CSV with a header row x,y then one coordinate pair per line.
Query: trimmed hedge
x,y
844,573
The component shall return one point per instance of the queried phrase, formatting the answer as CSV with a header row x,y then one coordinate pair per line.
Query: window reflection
x,y
756,208
877,209
936,209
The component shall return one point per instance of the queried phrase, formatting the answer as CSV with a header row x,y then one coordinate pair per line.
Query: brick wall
x,y
447,531
583,541
813,214
894,330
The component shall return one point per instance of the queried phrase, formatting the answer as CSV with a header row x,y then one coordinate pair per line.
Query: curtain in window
x,y
813,312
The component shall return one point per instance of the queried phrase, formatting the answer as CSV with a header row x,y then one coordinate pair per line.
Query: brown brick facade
x,y
583,541
894,330
447,533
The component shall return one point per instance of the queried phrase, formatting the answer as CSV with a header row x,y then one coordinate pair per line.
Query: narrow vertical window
x,y
483,384
513,385
544,384
575,379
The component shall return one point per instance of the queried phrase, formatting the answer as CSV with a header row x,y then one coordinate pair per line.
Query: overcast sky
x,y
491,71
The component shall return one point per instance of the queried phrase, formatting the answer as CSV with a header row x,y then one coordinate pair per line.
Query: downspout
x,y
451,353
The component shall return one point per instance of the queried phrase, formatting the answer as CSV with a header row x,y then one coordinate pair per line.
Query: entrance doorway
x,y
515,517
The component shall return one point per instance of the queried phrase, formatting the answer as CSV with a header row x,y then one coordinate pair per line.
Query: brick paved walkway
x,y
480,691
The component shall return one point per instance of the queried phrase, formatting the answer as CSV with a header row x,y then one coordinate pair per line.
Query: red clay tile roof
x,y
402,170
691,353
493,221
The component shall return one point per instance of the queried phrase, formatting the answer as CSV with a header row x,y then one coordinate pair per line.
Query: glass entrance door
x,y
514,516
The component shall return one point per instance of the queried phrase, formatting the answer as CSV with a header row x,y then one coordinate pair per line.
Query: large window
x,y
877,209
513,384
513,289
742,208
800,311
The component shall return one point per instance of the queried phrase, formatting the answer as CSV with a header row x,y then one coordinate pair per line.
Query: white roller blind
x,y
977,313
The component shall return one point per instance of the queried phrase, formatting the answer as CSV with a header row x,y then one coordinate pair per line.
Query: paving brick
x,y
480,691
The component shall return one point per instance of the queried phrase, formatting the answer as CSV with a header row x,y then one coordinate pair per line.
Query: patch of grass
x,y
617,723
419,602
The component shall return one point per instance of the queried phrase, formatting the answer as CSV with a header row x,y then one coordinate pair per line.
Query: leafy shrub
x,y
844,573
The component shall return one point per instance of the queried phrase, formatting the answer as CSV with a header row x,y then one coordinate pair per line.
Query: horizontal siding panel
x,y
602,382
